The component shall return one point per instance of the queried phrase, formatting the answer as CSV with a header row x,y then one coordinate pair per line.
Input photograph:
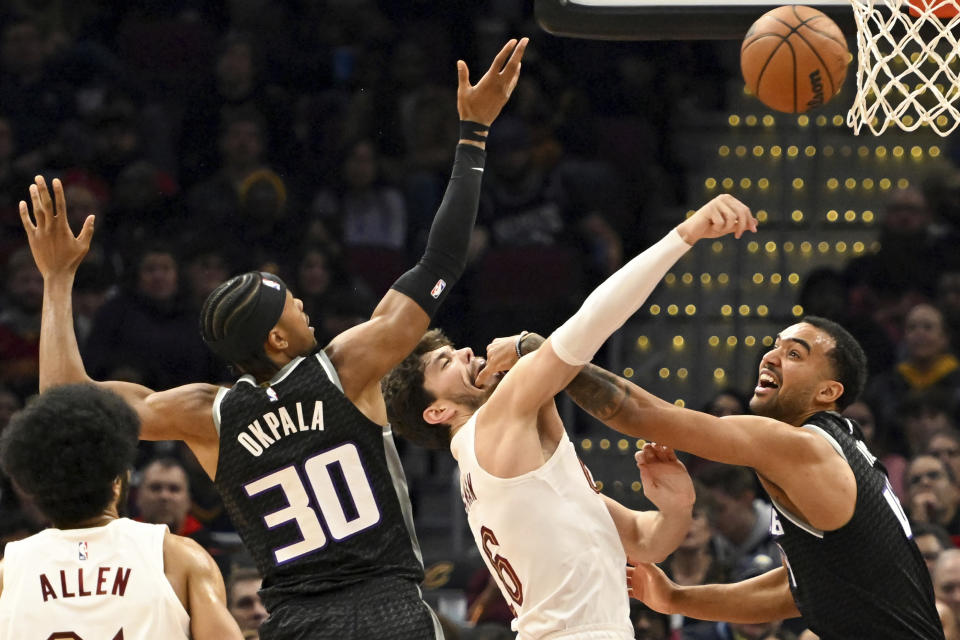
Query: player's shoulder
x,y
185,553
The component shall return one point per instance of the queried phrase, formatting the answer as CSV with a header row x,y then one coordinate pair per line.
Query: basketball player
x,y
555,547
95,575
851,567
299,448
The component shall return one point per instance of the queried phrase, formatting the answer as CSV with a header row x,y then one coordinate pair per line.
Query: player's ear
x,y
830,392
438,413
276,341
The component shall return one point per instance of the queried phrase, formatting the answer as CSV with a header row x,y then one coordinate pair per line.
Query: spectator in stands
x,y
726,402
945,444
927,364
739,517
948,301
242,146
147,333
932,494
237,81
370,211
334,300
946,580
31,96
932,540
243,601
921,414
163,497
895,464
143,207
826,293
20,324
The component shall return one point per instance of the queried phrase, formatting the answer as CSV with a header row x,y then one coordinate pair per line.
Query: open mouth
x,y
766,381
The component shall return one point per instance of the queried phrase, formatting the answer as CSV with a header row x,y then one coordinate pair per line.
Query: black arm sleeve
x,y
445,257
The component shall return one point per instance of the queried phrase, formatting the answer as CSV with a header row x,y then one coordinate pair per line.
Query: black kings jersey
x,y
866,580
314,487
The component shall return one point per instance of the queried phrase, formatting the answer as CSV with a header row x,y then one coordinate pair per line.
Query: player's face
x,y
296,327
451,374
792,372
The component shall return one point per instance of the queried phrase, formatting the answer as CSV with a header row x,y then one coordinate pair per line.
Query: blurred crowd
x,y
314,140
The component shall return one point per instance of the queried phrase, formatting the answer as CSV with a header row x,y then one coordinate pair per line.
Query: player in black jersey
x,y
299,447
851,566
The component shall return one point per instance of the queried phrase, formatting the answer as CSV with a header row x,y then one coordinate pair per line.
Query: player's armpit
x,y
811,479
363,354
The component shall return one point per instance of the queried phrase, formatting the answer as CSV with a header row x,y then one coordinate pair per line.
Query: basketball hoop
x,y
908,71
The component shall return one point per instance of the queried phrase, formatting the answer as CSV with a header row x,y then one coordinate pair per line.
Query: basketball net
x,y
908,64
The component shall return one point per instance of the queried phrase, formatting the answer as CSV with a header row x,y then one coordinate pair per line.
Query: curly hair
x,y
407,398
67,447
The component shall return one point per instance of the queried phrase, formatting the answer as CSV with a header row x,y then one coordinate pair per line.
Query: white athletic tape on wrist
x,y
615,300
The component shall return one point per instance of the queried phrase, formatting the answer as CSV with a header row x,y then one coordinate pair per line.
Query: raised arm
x,y
764,598
650,536
365,353
183,413
605,310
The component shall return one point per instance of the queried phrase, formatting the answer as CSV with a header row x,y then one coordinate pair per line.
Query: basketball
x,y
794,59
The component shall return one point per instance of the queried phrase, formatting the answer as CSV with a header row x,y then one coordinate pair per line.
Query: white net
x,y
908,63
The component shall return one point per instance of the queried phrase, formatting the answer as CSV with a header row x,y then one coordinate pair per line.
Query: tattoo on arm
x,y
596,390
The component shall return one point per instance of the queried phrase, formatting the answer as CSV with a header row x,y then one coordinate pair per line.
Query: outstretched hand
x,y
648,583
665,480
722,215
483,101
55,249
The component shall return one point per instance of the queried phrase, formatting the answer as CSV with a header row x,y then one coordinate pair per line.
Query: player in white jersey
x,y
555,545
95,575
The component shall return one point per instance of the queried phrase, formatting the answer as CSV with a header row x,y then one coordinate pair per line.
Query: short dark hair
x,y
167,462
847,357
935,530
731,479
407,398
67,448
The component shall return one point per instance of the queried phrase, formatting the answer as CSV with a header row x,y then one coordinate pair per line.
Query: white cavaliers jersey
x,y
549,541
101,583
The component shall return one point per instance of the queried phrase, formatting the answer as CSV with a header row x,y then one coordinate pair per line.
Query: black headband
x,y
248,333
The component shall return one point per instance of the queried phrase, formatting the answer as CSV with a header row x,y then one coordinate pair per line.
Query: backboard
x,y
668,19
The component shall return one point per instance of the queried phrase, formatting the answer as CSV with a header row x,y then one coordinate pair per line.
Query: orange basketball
x,y
794,58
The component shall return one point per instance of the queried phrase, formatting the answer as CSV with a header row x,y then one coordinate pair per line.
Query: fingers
x,y
463,76
25,218
39,213
60,201
513,65
44,193
86,233
501,59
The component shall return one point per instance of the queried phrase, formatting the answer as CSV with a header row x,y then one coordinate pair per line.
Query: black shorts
x,y
387,609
